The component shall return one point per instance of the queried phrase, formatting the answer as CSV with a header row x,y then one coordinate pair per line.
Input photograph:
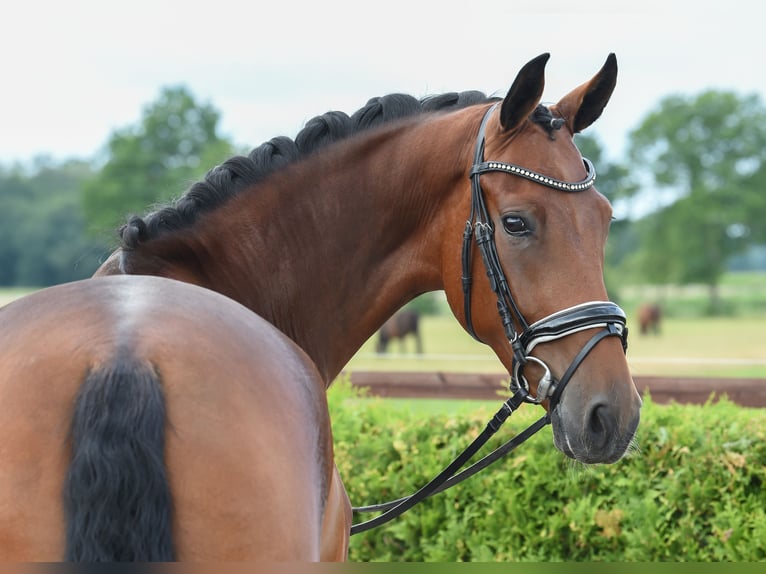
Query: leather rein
x,y
606,316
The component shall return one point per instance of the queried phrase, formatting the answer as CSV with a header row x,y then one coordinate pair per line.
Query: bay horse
x,y
649,318
403,323
324,238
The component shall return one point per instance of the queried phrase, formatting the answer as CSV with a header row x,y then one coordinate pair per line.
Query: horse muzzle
x,y
591,428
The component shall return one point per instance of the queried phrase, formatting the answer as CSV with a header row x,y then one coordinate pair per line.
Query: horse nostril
x,y
601,425
597,422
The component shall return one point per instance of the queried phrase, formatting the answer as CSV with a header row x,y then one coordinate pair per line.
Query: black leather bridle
x,y
523,337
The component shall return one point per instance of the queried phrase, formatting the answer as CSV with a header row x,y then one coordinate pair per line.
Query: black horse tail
x,y
117,500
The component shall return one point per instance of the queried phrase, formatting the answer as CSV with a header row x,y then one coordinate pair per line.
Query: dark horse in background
x,y
174,406
403,323
649,318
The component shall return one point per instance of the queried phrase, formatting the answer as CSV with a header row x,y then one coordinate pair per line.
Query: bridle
x,y
522,336
606,316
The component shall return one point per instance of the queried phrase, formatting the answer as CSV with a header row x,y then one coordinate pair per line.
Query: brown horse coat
x,y
247,446
649,318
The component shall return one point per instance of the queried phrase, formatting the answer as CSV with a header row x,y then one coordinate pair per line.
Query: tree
x,y
42,226
13,189
704,162
613,180
175,143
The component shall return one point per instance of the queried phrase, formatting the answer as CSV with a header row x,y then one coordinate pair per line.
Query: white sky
x,y
75,70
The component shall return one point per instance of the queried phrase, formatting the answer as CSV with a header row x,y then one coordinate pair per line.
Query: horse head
x,y
539,226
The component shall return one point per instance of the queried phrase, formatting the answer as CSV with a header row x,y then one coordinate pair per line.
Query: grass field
x,y
687,346
690,343
716,347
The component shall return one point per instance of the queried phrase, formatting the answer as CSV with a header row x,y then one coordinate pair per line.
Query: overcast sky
x,y
76,70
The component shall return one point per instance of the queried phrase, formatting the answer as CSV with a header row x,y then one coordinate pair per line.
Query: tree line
x,y
690,191
58,221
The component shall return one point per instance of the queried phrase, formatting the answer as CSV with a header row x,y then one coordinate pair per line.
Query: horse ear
x,y
583,105
525,93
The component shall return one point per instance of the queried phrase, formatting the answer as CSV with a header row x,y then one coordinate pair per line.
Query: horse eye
x,y
515,225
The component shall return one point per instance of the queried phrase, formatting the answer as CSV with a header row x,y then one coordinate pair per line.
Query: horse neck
x,y
329,248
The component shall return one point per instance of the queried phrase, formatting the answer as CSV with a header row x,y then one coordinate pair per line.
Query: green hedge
x,y
695,490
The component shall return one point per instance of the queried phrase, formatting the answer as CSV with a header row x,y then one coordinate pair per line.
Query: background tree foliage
x,y
58,221
174,144
703,158
613,180
42,225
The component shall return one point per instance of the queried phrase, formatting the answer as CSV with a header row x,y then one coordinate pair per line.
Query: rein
x,y
605,315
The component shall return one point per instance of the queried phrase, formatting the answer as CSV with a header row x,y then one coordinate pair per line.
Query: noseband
x,y
522,336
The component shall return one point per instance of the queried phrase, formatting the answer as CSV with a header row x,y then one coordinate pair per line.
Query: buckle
x,y
545,385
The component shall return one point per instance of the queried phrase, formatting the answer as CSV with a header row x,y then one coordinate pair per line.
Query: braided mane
x,y
238,173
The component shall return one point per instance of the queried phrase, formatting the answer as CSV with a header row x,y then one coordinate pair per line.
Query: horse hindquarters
x,y
95,442
117,500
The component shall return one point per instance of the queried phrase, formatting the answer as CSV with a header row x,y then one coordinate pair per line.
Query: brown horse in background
x,y
403,323
649,318
319,241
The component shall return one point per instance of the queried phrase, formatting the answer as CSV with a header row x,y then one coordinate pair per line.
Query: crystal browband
x,y
486,166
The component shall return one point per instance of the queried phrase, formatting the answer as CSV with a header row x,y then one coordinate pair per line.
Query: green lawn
x,y
720,347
